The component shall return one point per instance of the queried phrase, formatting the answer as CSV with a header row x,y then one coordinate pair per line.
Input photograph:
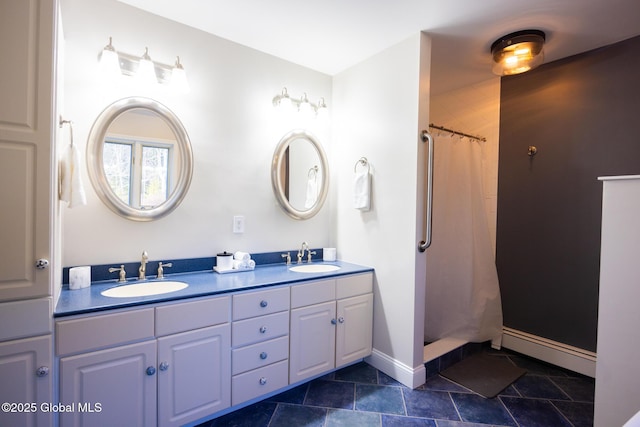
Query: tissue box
x,y
79,277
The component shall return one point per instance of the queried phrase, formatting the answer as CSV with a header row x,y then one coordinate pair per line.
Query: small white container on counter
x,y
224,261
329,254
79,277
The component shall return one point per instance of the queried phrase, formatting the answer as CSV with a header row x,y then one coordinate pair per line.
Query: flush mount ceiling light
x,y
517,52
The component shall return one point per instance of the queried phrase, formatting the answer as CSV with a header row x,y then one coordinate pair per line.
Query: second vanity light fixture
x,y
285,103
145,70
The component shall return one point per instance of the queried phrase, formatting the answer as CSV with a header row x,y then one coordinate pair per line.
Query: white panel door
x,y
354,333
313,342
194,374
26,379
27,29
121,380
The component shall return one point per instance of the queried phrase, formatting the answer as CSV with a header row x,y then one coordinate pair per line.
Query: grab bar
x,y
426,137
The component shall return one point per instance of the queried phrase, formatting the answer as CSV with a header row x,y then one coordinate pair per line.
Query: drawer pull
x,y
340,319
263,381
151,370
263,303
333,321
164,366
42,371
263,355
263,329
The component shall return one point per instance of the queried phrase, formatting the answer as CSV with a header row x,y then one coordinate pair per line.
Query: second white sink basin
x,y
314,268
144,289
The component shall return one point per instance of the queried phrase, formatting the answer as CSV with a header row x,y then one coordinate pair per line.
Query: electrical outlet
x,y
238,224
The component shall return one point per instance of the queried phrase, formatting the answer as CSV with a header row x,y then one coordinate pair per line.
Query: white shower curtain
x,y
463,295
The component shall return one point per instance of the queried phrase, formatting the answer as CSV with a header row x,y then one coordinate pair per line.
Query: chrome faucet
x,y
142,270
305,245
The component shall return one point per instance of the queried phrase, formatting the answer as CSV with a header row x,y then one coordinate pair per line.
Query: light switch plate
x,y
238,224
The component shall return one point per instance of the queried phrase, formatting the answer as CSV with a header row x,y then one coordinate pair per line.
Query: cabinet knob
x,y
340,319
263,355
263,381
164,366
42,371
333,321
151,370
263,303
263,329
42,263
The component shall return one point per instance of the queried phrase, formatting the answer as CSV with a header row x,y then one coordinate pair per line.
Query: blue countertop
x,y
201,283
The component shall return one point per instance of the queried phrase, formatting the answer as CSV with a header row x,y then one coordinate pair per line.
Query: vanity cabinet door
x,y
194,374
313,343
26,378
354,330
112,387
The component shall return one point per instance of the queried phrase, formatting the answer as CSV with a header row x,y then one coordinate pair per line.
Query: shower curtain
x,y
463,295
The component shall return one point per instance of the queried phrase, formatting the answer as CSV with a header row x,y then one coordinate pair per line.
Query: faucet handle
x,y
309,253
287,256
161,266
122,276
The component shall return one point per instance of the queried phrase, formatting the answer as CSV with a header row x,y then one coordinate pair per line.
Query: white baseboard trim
x,y
411,377
554,352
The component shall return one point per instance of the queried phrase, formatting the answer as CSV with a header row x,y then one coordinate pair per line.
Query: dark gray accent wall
x,y
583,116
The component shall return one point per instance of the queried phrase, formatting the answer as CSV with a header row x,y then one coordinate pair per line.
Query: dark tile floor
x,y
360,395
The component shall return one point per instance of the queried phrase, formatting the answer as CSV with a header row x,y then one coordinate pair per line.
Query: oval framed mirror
x,y
300,174
139,159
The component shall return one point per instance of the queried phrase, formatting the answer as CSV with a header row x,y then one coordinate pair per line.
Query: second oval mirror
x,y
300,174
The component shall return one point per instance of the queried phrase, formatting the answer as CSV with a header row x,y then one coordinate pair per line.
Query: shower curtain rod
x,y
455,132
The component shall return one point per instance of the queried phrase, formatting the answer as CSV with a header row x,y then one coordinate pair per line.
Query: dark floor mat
x,y
484,374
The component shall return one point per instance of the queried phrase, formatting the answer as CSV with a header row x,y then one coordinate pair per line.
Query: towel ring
x,y
313,172
362,161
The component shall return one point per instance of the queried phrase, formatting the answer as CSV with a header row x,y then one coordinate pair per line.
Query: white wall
x,y
231,123
381,104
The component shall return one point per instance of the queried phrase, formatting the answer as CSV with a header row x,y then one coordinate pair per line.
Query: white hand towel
x,y
71,186
241,256
362,190
312,192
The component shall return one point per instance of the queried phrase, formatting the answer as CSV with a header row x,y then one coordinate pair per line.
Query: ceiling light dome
x,y
517,52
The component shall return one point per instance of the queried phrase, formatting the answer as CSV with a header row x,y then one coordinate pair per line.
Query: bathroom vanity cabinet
x,y
179,371
331,324
172,363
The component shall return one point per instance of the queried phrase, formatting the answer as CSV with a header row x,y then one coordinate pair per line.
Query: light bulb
x,y
109,64
146,73
179,81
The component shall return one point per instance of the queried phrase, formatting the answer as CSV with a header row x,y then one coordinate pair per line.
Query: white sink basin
x,y
314,268
144,289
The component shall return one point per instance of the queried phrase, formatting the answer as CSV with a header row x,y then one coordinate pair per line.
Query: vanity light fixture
x,y
114,63
284,102
517,52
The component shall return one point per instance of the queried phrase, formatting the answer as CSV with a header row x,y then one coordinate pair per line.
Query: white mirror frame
x,y
95,165
276,178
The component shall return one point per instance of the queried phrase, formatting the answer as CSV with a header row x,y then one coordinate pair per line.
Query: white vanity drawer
x,y
313,293
259,381
258,303
258,329
186,316
350,286
257,355
88,333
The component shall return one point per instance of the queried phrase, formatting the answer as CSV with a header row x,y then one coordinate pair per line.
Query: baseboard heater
x,y
554,352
